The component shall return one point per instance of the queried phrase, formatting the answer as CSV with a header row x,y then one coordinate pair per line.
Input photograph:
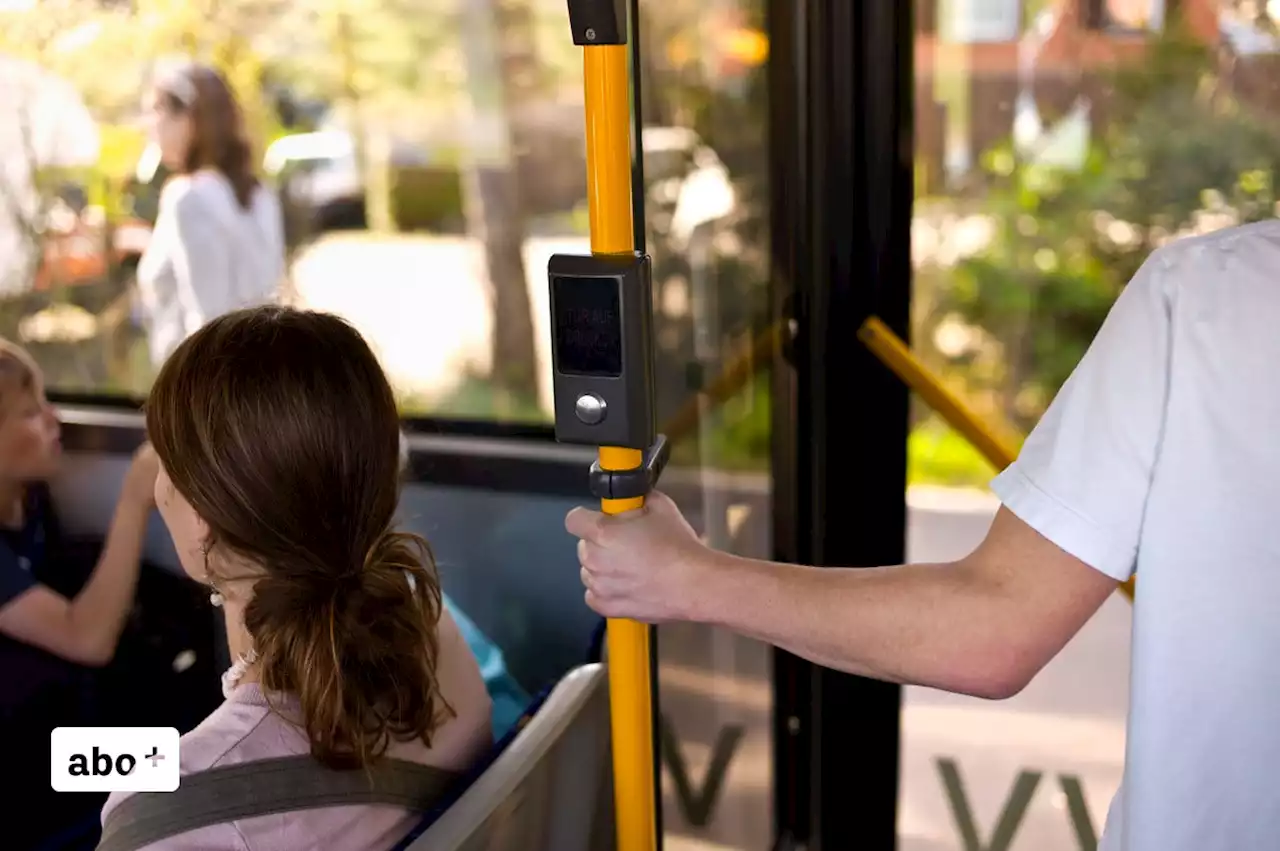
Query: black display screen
x,y
588,326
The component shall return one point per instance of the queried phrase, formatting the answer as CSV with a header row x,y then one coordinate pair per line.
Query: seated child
x,y
56,622
85,628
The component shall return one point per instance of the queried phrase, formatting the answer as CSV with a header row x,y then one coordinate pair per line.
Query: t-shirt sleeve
x,y
14,581
1083,475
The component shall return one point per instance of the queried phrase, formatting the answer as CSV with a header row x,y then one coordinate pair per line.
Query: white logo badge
x,y
114,759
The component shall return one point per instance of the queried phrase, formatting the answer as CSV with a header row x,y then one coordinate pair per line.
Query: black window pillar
x,y
842,147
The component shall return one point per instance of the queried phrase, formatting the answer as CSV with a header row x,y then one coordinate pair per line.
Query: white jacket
x,y
207,256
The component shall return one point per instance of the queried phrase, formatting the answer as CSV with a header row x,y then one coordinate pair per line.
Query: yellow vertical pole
x,y
608,125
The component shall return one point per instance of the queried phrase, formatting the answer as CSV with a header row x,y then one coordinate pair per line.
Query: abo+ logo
x,y
114,759
101,764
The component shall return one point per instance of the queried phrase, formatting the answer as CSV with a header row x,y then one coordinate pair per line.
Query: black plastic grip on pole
x,y
596,22
629,484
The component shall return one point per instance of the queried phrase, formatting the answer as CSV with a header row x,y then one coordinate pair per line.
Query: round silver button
x,y
590,408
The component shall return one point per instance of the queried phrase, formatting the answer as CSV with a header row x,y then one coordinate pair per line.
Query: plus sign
x,y
155,756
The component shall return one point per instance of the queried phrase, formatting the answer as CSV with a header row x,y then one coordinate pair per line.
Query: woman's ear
x,y
202,531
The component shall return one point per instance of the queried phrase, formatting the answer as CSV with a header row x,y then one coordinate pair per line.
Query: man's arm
x,y
85,630
983,626
1070,531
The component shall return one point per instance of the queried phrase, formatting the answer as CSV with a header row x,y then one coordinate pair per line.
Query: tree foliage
x,y
1183,156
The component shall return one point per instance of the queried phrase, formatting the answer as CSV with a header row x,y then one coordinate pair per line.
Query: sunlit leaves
x,y
1181,155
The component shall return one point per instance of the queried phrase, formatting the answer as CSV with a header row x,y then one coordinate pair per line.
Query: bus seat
x,y
547,788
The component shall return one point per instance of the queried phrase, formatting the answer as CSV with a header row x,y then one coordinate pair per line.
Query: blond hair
x,y
18,372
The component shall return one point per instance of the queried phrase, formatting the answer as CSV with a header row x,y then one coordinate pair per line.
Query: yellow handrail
x,y
608,125
734,377
996,444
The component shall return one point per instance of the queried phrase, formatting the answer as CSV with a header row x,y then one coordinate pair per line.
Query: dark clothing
x,y
43,691
25,563
166,650
22,550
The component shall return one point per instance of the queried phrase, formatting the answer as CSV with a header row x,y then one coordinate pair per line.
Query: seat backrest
x,y
550,789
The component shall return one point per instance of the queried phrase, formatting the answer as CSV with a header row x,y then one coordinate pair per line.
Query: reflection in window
x,y
705,163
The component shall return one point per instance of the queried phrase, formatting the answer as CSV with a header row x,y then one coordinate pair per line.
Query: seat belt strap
x,y
268,787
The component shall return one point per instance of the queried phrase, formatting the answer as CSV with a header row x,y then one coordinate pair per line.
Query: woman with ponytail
x,y
279,444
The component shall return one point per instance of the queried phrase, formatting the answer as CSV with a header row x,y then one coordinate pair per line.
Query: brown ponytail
x,y
280,429
358,651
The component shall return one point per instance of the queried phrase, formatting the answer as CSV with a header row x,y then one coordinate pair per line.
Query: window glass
x,y
430,157
705,113
1049,165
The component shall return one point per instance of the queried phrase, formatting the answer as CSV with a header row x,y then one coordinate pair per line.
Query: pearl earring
x,y
215,598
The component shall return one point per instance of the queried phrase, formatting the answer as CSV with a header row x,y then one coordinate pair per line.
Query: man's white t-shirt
x,y
1161,453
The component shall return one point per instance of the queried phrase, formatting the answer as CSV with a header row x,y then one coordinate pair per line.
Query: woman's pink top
x,y
244,729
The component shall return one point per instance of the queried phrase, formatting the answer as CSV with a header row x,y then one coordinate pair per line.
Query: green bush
x,y
937,455
1066,242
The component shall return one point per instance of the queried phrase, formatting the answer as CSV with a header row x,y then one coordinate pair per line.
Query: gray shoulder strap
x,y
267,787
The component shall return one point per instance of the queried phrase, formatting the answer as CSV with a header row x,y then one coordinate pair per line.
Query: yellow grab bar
x,y
608,125
997,445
